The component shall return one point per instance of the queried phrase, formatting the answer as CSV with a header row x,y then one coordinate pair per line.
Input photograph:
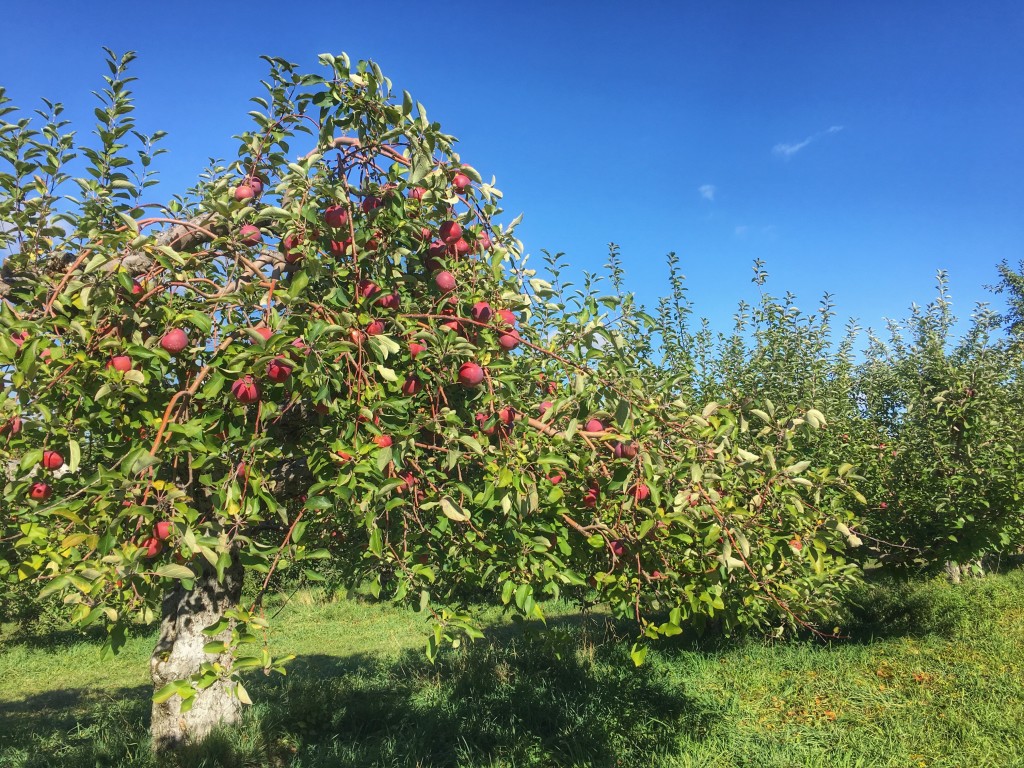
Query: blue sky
x,y
855,147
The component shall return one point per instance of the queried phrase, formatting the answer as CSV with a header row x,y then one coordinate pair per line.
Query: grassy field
x,y
933,676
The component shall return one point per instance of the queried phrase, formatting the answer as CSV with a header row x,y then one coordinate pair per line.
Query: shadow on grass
x,y
520,703
911,607
525,701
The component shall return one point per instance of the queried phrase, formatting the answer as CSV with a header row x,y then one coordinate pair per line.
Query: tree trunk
x,y
179,654
957,572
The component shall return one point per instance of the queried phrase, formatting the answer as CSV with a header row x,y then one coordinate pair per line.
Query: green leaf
x,y
422,163
376,542
815,418
243,695
638,654
74,455
318,502
452,510
299,282
96,262
175,571
166,692
472,443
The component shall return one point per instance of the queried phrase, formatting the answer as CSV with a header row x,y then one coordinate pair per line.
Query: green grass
x,y
933,675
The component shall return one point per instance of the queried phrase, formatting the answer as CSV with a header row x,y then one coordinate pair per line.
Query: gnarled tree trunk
x,y
179,654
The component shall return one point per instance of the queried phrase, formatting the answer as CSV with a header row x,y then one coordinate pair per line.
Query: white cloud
x,y
707,191
788,150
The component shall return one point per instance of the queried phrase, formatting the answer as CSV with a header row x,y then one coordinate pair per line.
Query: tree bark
x,y
179,654
957,572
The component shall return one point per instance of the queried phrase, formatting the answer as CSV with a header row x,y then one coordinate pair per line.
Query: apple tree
x,y
332,347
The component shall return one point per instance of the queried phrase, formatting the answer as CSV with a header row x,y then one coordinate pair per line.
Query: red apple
x,y
384,441
417,193
594,425
508,317
617,548
244,192
336,216
120,363
483,242
408,481
52,460
278,370
641,492
556,478
415,348
11,427
481,420
507,415
370,203
289,244
151,547
19,337
461,182
339,247
412,386
162,530
436,251
300,346
388,301
344,456
459,248
481,312
449,232
545,407
375,328
39,491
625,450
241,471
249,235
265,332
367,288
174,341
445,281
255,183
470,375
246,390
509,340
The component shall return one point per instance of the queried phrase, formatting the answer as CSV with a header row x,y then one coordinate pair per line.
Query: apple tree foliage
x,y
332,348
930,421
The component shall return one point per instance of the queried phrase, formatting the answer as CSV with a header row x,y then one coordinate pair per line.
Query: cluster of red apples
x,y
450,241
